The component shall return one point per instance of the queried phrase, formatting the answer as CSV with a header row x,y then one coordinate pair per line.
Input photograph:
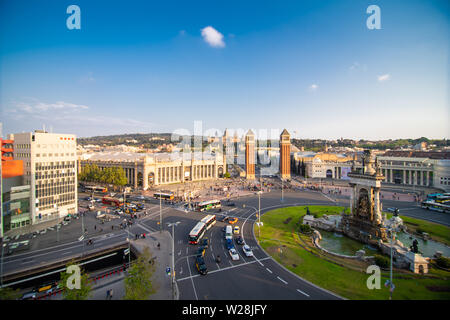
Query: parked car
x,y
233,253
29,295
200,265
247,251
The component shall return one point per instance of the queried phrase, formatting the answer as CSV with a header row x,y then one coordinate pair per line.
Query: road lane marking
x,y
282,280
269,270
303,292
223,269
192,280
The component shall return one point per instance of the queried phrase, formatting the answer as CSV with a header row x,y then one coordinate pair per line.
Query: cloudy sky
x,y
312,67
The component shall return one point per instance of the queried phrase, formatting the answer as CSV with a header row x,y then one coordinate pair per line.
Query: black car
x,y
230,204
239,240
205,243
201,266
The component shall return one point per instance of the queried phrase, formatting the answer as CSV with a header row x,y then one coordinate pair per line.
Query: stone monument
x,y
365,220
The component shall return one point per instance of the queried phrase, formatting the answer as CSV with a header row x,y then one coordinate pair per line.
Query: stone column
x,y
410,177
421,178
428,179
377,213
404,177
391,176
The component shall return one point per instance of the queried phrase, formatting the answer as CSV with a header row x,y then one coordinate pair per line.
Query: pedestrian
x,y
95,227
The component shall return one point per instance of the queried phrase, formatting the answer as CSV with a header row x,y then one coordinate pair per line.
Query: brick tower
x,y
250,155
285,155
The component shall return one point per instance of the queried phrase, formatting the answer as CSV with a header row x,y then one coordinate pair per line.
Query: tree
x,y
75,294
8,293
138,285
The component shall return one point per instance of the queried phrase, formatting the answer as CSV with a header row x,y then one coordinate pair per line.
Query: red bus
x,y
112,201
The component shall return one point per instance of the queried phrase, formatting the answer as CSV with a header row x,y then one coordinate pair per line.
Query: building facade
x,y
148,170
424,169
14,209
49,167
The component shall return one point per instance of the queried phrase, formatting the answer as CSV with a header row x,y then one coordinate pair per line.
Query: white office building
x,y
49,161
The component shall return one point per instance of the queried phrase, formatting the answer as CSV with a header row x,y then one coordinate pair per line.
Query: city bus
x,y
206,205
112,201
200,228
163,195
94,189
435,206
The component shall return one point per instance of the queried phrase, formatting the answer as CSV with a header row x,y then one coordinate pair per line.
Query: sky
x,y
312,67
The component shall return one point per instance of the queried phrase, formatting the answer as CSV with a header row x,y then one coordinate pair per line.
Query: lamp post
x,y
173,256
57,220
160,211
1,266
391,284
259,214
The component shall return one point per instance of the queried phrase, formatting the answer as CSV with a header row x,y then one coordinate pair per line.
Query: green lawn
x,y
278,238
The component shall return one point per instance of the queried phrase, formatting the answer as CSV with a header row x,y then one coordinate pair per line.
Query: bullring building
x,y
145,170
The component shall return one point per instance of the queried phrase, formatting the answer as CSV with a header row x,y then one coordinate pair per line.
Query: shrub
x,y
382,261
305,228
443,262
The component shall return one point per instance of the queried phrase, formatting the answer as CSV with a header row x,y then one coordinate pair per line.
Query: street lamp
x,y
392,232
259,214
57,220
160,211
173,256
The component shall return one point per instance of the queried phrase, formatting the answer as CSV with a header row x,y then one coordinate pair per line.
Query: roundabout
x,y
280,237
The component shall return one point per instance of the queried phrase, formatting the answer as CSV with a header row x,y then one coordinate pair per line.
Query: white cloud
x,y
37,107
384,77
313,87
213,37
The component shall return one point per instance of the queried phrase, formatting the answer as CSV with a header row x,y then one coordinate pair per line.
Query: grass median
x,y
347,278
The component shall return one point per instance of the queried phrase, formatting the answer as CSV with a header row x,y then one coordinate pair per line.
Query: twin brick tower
x,y
250,154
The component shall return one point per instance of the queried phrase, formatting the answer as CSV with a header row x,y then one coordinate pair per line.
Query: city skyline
x,y
314,69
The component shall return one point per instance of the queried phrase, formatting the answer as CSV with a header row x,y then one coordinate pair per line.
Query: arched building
x,y
146,170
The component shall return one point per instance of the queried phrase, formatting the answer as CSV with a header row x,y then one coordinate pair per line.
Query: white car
x,y
248,252
233,253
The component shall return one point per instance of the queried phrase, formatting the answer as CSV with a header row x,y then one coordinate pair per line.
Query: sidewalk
x,y
161,281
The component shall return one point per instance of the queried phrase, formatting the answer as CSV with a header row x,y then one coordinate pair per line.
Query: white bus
x,y
206,205
200,228
435,206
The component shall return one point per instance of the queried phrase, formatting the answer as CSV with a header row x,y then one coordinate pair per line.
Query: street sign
x,y
81,238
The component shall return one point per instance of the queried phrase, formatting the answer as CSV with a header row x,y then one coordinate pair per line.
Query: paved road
x,y
259,277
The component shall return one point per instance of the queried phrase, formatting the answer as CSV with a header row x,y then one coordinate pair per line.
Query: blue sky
x,y
312,67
